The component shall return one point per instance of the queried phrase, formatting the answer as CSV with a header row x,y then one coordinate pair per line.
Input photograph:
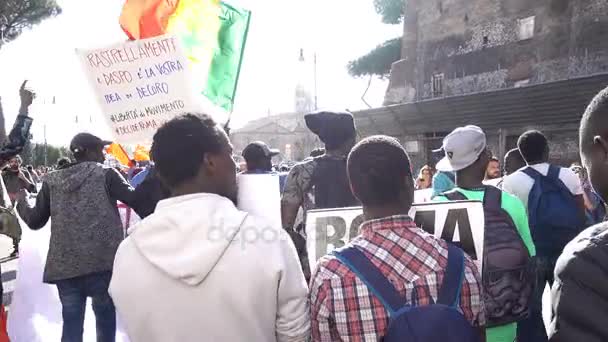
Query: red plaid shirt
x,y
343,309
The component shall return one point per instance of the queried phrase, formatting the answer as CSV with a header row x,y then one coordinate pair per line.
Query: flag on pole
x,y
212,32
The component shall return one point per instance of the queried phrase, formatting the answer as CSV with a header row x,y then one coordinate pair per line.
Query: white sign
x,y
140,85
423,196
461,222
260,195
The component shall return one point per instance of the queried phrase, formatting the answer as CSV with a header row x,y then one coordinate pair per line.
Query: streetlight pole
x,y
45,148
315,81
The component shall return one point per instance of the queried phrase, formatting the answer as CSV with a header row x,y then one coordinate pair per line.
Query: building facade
x,y
464,62
504,65
458,47
285,132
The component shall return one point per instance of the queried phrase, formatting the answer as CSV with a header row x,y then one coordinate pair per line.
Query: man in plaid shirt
x,y
342,307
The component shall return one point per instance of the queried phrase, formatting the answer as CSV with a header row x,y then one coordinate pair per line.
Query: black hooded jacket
x,y
579,297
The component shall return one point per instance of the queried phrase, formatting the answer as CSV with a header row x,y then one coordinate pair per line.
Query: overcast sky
x,y
337,30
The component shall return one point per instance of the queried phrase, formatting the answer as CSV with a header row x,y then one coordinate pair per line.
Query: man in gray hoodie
x,y
85,233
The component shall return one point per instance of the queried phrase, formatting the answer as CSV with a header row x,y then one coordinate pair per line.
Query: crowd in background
x,y
195,250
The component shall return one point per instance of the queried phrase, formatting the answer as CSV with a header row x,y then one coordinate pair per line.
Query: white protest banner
x,y
461,222
140,85
260,195
423,196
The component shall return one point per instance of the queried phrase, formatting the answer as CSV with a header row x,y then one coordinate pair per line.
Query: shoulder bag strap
x,y
454,195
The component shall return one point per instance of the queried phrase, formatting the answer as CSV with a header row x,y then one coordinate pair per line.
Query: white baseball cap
x,y
462,148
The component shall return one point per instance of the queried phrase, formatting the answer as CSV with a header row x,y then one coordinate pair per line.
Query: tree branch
x,y
392,11
21,14
378,61
369,84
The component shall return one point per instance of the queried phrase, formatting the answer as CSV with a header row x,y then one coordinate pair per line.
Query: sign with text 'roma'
x,y
139,85
461,222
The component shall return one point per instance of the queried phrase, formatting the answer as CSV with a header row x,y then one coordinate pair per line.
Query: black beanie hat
x,y
333,128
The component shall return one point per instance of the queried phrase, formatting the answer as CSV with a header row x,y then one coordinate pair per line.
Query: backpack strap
x,y
454,195
532,173
553,172
371,276
449,293
492,198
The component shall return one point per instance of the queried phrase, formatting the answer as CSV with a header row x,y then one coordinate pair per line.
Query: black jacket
x,y
150,192
579,297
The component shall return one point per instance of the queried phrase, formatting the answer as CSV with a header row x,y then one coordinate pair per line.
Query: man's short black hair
x,y
595,119
515,156
494,159
534,146
513,161
377,168
180,146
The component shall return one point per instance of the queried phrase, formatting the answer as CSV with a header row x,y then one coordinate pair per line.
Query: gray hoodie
x,y
86,228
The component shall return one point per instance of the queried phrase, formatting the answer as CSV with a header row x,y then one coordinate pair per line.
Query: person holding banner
x,y
221,274
320,182
508,245
579,296
344,304
259,160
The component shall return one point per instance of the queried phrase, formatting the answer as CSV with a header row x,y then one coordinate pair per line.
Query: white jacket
x,y
199,269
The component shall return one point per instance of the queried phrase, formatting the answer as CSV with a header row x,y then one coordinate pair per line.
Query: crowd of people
x,y
190,270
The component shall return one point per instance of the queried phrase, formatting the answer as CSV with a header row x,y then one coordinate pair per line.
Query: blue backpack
x,y
440,322
552,211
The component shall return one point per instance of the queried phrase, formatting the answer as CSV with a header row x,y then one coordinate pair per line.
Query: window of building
x,y
437,84
526,27
522,83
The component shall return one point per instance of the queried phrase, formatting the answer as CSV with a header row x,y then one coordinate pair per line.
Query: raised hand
x,y
27,96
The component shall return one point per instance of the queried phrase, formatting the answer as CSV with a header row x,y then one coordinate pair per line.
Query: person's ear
x,y
209,162
600,148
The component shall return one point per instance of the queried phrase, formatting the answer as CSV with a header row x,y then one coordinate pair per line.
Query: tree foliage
x,y
18,15
378,61
390,10
33,154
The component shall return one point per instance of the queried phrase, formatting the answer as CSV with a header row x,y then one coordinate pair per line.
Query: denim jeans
x,y
73,294
532,329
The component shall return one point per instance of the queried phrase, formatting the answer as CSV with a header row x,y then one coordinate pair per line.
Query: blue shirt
x,y
442,182
139,178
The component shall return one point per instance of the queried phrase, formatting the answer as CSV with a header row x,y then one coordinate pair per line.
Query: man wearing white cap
x,y
466,155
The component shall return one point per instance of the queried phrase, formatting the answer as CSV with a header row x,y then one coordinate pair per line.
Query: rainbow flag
x,y
212,32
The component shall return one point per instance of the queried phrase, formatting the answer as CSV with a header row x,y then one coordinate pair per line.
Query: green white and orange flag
x,y
213,34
